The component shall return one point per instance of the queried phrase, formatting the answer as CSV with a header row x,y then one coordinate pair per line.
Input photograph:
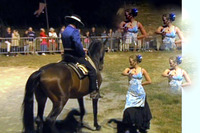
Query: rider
x,y
73,47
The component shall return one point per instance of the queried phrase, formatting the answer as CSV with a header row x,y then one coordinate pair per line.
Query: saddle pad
x,y
80,70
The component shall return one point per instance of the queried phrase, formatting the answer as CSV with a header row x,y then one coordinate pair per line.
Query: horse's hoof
x,y
98,128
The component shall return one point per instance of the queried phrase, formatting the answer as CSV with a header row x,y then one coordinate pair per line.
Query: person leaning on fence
x,y
175,75
26,43
15,42
169,32
93,32
74,51
60,46
104,35
110,46
137,114
52,40
159,31
122,27
87,39
132,29
127,19
8,36
160,28
31,36
43,41
118,39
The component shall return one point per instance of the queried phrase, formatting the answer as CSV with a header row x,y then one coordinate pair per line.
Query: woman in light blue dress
x,y
175,74
137,112
169,32
131,29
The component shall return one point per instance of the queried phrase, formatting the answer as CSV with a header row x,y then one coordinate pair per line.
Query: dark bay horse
x,y
59,83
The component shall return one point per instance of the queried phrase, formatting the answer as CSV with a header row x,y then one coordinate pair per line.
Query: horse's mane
x,y
94,48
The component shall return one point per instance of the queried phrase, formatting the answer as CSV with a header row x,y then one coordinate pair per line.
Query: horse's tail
x,y
27,106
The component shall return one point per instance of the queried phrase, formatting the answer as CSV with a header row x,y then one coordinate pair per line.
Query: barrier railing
x,y
16,45
40,45
48,45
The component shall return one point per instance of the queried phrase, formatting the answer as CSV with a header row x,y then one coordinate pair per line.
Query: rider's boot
x,y
95,93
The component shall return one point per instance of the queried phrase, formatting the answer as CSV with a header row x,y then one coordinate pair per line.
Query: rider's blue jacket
x,y
72,42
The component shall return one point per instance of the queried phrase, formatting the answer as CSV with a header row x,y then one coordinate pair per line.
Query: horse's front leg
x,y
56,110
95,111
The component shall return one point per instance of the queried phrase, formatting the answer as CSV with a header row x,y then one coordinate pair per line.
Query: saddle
x,y
80,69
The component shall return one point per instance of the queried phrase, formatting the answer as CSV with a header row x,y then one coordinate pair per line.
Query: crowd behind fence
x,y
42,45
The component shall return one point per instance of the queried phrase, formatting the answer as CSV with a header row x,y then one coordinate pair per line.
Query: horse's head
x,y
96,51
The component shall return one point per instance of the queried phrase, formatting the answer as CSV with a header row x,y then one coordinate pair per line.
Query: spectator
x,y
1,36
8,36
110,40
87,39
26,43
93,33
31,35
127,19
60,40
43,44
1,30
160,28
132,28
82,36
104,35
15,42
52,40
124,29
118,39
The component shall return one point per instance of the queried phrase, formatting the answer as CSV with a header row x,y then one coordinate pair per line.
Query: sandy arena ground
x,y
12,83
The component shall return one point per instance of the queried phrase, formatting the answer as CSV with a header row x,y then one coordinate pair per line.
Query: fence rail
x,y
26,45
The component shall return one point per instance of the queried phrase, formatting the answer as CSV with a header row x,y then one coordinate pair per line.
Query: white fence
x,y
26,45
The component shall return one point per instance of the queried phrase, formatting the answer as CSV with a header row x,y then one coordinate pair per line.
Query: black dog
x,y
68,125
123,127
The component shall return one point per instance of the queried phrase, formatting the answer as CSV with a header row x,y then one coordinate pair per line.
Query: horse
x,y
59,82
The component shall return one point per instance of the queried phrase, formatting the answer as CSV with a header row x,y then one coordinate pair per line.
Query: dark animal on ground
x,y
69,125
121,127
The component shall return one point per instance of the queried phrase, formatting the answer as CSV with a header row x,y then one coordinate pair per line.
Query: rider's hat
x,y
74,19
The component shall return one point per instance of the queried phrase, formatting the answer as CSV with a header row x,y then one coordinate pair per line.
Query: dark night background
x,y
19,13
99,12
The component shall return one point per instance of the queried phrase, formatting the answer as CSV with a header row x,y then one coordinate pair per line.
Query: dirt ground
x,y
12,83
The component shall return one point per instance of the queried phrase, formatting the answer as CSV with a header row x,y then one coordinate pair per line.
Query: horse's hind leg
x,y
41,100
56,110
